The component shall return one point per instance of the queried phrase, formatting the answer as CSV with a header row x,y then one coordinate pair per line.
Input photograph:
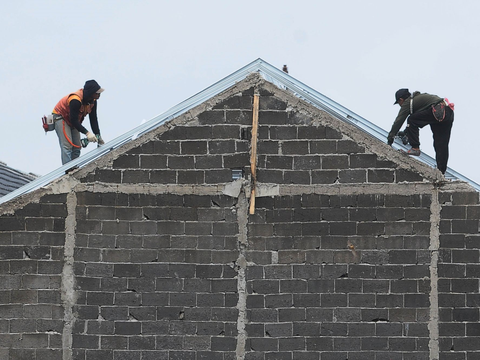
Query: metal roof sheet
x,y
269,73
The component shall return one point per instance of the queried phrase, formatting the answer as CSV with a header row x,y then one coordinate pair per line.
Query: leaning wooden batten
x,y
253,156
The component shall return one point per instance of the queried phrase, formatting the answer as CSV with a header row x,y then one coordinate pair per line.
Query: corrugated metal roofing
x,y
11,179
271,74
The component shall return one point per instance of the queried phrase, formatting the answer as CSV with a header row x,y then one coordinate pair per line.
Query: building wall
x,y
353,250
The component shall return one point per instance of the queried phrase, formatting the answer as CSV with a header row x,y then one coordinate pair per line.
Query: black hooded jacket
x,y
90,88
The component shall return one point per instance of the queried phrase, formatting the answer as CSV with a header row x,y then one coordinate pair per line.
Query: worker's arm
x,y
397,124
74,111
94,120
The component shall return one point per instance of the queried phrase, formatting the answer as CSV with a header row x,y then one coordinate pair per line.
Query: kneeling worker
x,y
424,109
68,116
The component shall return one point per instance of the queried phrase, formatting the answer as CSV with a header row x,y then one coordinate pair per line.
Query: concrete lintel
x,y
358,189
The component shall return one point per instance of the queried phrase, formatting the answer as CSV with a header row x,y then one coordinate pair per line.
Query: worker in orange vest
x,y
68,116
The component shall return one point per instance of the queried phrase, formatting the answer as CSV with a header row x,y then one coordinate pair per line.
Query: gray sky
x,y
151,55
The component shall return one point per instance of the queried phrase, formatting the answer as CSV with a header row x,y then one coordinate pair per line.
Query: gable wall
x,y
153,255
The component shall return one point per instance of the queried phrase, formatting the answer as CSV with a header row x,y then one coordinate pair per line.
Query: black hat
x,y
91,87
401,94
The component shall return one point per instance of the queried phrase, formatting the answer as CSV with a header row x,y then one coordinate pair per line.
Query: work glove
x,y
100,140
91,138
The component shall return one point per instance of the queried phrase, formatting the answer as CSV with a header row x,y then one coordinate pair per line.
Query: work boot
x,y
413,152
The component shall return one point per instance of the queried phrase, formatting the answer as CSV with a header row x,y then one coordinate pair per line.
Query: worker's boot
x,y
413,152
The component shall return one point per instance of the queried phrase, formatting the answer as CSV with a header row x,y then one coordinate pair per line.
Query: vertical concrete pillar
x,y
68,276
435,209
242,218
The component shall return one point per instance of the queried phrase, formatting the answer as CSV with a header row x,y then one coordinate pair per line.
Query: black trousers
x,y
441,133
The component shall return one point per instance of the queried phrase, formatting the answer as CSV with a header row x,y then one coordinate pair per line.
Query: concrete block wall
x,y
353,251
31,261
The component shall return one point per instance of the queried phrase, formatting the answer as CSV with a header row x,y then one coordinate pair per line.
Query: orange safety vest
x,y
63,107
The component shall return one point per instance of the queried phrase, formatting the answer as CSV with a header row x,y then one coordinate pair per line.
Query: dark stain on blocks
x,y
236,102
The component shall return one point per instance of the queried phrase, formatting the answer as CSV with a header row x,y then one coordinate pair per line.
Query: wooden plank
x,y
253,156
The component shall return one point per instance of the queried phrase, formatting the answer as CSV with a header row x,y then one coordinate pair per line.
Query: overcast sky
x,y
151,55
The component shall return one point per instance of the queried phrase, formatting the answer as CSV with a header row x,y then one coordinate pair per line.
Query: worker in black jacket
x,y
424,109
68,116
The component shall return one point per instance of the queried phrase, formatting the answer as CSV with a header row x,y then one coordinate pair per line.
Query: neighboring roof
x,y
269,73
11,179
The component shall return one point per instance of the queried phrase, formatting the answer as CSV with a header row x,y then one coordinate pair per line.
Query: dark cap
x,y
91,87
401,94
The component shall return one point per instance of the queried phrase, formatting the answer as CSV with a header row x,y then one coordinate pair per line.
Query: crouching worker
x,y
68,116
424,109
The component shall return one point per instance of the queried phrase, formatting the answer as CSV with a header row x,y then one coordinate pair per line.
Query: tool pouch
x,y
48,123
439,111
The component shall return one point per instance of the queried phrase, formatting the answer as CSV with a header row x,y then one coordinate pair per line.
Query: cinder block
x,y
376,286
296,148
128,328
224,285
242,117
309,162
226,132
403,175
381,176
343,228
236,160
268,147
371,228
271,103
291,257
465,198
135,177
163,176
349,147
85,341
465,314
278,301
181,162
465,285
333,300
165,147
311,132
454,212
374,343
265,286
218,176
221,146
127,162
346,285
191,177
175,133
270,176
193,147
10,223
296,177
100,298
465,226
417,300
324,176
278,162
323,343
352,176
465,256
273,117
211,117
347,344
335,162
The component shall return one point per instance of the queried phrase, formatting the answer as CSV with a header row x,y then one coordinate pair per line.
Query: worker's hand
x,y
92,138
390,141
100,140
